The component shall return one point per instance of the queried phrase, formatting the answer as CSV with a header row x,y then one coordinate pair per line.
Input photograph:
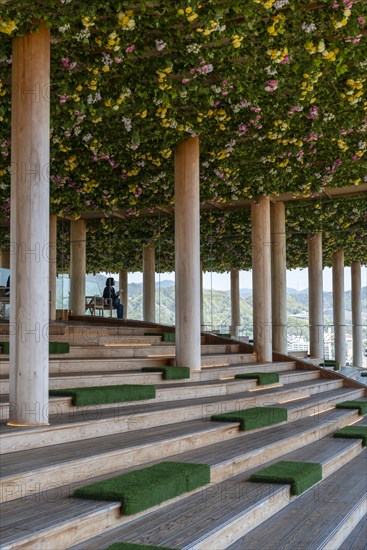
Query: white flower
x,y
82,35
280,4
160,45
64,28
127,123
362,145
270,71
87,137
193,48
308,28
328,116
106,59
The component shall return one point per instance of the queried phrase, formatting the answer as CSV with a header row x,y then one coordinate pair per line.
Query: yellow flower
x,y
87,22
166,153
7,26
144,113
236,40
105,68
126,20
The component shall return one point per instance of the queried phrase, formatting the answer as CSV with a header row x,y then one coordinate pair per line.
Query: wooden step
x,y
325,515
78,426
52,522
148,346
238,455
185,525
357,539
82,379
173,392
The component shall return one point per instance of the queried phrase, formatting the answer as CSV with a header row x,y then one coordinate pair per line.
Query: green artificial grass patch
x,y
255,417
166,336
147,487
53,347
170,373
360,405
330,363
300,475
261,377
353,432
106,394
132,546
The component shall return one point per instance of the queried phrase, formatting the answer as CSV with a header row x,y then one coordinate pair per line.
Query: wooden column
x,y
278,277
235,303
149,283
187,254
52,258
339,308
357,314
261,278
315,289
202,320
29,229
124,287
78,230
5,258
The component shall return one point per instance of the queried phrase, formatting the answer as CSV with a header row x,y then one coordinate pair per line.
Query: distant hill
x,y
217,306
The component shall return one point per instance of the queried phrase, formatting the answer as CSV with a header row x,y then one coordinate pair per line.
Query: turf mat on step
x,y
353,432
254,417
360,405
147,487
300,475
99,395
261,377
170,373
166,336
53,347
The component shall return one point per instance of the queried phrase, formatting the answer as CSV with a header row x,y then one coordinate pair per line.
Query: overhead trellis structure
x,y
276,91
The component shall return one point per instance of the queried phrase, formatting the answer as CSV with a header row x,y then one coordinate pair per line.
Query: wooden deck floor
x,y
25,516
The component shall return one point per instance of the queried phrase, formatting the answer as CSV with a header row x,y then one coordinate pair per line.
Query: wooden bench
x,y
95,304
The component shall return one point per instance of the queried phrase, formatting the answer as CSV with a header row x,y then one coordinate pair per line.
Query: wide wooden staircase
x,y
41,467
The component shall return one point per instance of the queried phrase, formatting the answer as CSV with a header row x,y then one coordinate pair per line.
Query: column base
x,y
23,425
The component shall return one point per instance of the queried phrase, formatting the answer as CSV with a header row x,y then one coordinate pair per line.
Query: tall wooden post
x,y
356,314
278,277
235,302
187,254
124,288
261,278
78,231
339,308
315,289
149,283
29,230
52,258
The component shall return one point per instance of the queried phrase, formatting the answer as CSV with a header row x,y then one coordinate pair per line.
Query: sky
x,y
296,278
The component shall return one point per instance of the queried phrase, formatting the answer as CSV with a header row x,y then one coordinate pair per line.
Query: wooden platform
x,y
42,466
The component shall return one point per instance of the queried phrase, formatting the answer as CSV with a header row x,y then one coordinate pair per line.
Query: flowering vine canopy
x,y
275,89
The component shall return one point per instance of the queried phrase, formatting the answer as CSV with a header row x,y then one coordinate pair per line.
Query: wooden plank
x,y
335,497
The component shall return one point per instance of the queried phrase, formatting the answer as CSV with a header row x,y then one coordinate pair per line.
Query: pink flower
x,y
242,129
361,21
314,112
271,85
130,49
185,80
117,59
285,60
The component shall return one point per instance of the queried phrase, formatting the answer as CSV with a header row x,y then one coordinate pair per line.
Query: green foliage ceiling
x,y
275,89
